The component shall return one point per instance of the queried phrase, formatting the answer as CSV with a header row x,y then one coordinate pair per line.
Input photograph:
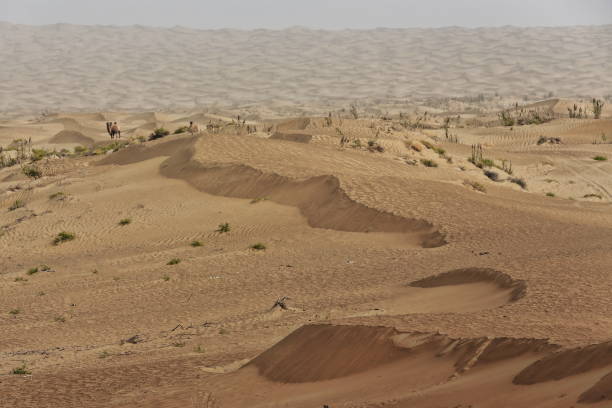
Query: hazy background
x,y
328,14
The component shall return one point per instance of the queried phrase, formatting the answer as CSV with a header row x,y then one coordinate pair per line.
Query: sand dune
x,y
69,68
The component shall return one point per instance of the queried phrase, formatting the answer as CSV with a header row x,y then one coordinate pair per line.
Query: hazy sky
x,y
334,14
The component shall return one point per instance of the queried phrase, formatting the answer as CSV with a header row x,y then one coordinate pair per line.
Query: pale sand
x,y
74,68
407,287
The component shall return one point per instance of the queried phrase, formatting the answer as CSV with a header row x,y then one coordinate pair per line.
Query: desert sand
x,y
437,258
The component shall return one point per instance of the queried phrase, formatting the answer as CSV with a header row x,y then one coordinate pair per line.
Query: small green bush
x,y
32,271
159,133
600,158
60,319
182,129
166,278
125,221
258,247
21,371
80,149
521,182
225,227
63,237
57,196
39,154
14,312
196,244
20,279
17,204
32,172
429,163
174,261
550,194
592,196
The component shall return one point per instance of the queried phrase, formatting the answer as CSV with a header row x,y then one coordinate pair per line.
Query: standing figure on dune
x,y
115,131
193,128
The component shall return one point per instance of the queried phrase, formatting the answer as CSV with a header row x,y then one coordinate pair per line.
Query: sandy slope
x,y
406,287
69,68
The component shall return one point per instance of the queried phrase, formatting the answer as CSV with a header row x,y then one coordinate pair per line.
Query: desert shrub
x,y
373,146
506,118
356,144
550,194
125,221
45,268
166,278
21,371
182,129
174,261
258,199
80,149
225,227
60,319
39,154
491,175
475,185
17,204
427,144
521,182
32,271
57,196
196,244
63,237
600,158
159,133
20,279
597,108
591,195
14,312
31,172
258,246
429,163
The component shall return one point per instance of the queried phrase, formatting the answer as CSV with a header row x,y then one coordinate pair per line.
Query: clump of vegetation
x,y
21,370
104,354
549,194
600,158
166,278
356,144
14,312
32,271
199,349
550,140
125,221
182,129
60,319
475,185
63,237
196,244
258,199
521,182
519,116
258,247
429,163
225,227
354,112
577,112
373,146
597,108
174,261
58,196
591,195
17,204
80,150
491,175
159,133
20,279
39,154
32,172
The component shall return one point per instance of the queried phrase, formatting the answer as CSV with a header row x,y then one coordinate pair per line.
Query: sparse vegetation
x,y
14,312
125,221
174,261
196,244
598,105
475,185
429,163
32,172
518,116
179,344
20,279
258,200
32,271
57,196
600,158
182,129
159,133
225,227
21,370
592,195
549,140
104,354
16,204
39,154
492,175
549,194
258,247
63,237
166,278
60,319
199,349
521,182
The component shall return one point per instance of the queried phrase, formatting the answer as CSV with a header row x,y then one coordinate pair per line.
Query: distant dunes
x,y
100,68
